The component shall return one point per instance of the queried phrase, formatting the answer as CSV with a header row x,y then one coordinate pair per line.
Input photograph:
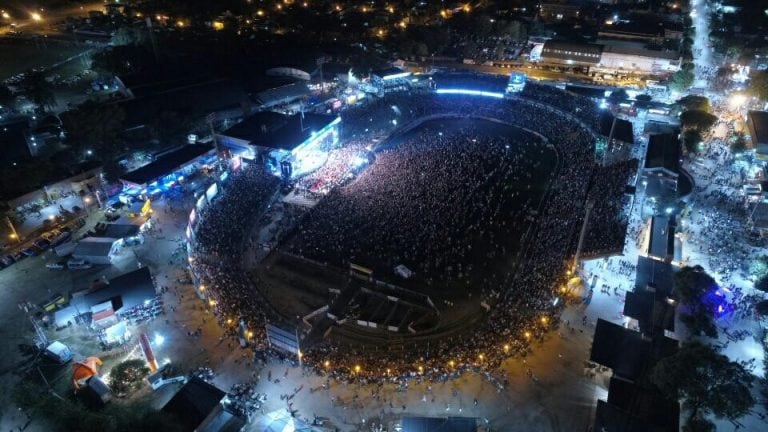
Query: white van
x,y
78,264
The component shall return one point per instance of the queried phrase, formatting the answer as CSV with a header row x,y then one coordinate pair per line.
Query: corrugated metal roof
x,y
94,247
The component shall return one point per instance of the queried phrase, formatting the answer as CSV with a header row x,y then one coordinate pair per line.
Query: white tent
x,y
281,421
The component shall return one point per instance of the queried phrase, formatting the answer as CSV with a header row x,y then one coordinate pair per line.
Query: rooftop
x,y
120,231
278,131
574,51
662,243
640,52
165,164
283,94
621,132
759,121
94,246
664,152
193,403
124,292
651,312
625,351
656,274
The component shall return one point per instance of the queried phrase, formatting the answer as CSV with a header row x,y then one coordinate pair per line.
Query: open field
x,y
27,54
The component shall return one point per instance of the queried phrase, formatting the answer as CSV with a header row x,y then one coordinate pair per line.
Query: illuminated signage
x,y
471,93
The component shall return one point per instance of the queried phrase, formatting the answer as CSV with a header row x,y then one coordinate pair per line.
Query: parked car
x,y
7,260
55,265
62,238
31,251
42,244
78,264
18,256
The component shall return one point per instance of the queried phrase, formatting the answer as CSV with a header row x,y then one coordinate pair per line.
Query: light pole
x,y
14,234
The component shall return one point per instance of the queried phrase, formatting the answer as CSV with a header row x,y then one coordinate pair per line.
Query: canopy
x,y
281,421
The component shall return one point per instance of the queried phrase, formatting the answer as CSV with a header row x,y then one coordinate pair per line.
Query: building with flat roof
x,y
282,95
662,163
757,122
619,58
626,351
662,241
390,79
169,166
291,145
96,250
124,292
197,407
571,53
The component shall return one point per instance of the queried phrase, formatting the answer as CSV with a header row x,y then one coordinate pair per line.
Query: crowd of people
x,y
581,107
216,250
608,220
419,200
445,202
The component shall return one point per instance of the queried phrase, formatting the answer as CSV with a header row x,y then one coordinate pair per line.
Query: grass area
x,y
21,55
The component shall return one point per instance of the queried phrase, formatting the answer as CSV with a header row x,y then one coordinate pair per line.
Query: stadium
x,y
437,234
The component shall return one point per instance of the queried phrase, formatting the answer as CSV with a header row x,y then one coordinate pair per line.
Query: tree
x,y
643,100
696,291
618,96
739,143
699,424
95,127
127,376
691,140
761,308
693,102
707,382
39,90
762,284
112,171
170,126
681,81
122,60
697,119
6,96
758,85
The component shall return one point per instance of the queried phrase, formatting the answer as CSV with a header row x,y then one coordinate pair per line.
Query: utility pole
x,y
38,330
14,234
